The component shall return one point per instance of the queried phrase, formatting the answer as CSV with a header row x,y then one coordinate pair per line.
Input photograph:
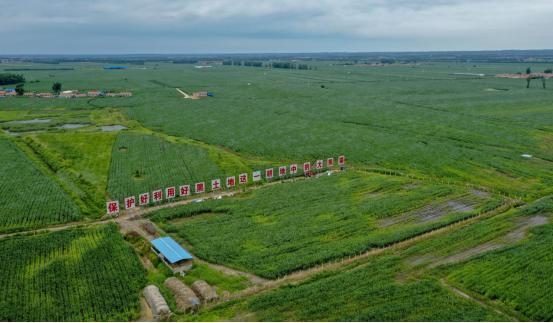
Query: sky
x,y
265,26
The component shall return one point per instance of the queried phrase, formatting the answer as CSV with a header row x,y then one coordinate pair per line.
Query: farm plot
x,y
366,293
280,229
413,119
71,275
518,276
84,166
399,285
143,163
30,198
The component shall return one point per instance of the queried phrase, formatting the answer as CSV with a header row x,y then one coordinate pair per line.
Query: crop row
x,y
30,198
143,163
71,275
283,228
367,293
519,276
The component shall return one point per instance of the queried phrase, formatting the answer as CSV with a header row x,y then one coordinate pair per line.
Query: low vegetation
x,y
30,197
517,276
365,293
276,230
71,275
143,163
82,165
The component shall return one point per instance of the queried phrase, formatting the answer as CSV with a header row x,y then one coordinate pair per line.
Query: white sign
x,y
170,192
130,202
243,178
294,169
231,182
215,184
112,207
157,195
184,190
256,176
144,198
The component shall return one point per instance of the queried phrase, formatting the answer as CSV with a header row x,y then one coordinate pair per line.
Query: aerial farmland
x,y
324,188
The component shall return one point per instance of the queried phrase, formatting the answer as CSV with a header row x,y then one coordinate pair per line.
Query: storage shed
x,y
185,298
160,309
172,254
204,291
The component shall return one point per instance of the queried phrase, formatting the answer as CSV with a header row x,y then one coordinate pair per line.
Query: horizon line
x,y
282,53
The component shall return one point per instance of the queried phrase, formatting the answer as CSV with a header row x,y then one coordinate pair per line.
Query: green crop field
x,y
517,276
444,203
143,163
30,198
408,284
71,275
287,227
366,293
75,160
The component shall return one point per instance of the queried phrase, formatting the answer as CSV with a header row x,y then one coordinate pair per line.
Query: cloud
x,y
321,24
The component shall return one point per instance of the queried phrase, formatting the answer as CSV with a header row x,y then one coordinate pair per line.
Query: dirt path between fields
x,y
57,228
464,295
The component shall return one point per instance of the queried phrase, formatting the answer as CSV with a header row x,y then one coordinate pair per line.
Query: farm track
x,y
55,228
464,295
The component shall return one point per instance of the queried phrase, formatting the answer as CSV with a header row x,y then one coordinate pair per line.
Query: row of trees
x,y
547,70
20,89
8,78
284,65
18,79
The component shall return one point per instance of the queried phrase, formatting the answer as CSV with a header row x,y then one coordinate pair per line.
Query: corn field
x,y
71,275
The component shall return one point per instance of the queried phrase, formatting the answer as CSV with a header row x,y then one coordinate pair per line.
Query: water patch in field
x,y
435,211
73,125
495,90
19,133
31,121
116,127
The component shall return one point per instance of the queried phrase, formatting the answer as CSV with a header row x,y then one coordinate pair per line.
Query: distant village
x,y
65,94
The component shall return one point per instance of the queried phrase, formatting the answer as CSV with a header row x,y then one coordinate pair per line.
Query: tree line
x,y
8,78
283,65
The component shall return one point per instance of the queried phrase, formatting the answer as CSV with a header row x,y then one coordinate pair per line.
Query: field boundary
x,y
483,303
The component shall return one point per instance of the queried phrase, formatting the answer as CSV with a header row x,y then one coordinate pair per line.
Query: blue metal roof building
x,y
170,250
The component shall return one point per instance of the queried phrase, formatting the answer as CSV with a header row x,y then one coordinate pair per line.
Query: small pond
x,y
116,127
30,121
73,125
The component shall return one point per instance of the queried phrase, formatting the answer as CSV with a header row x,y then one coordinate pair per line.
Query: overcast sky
x,y
239,26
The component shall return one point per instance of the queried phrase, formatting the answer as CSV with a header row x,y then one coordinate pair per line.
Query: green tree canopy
x,y
56,87
19,89
8,78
